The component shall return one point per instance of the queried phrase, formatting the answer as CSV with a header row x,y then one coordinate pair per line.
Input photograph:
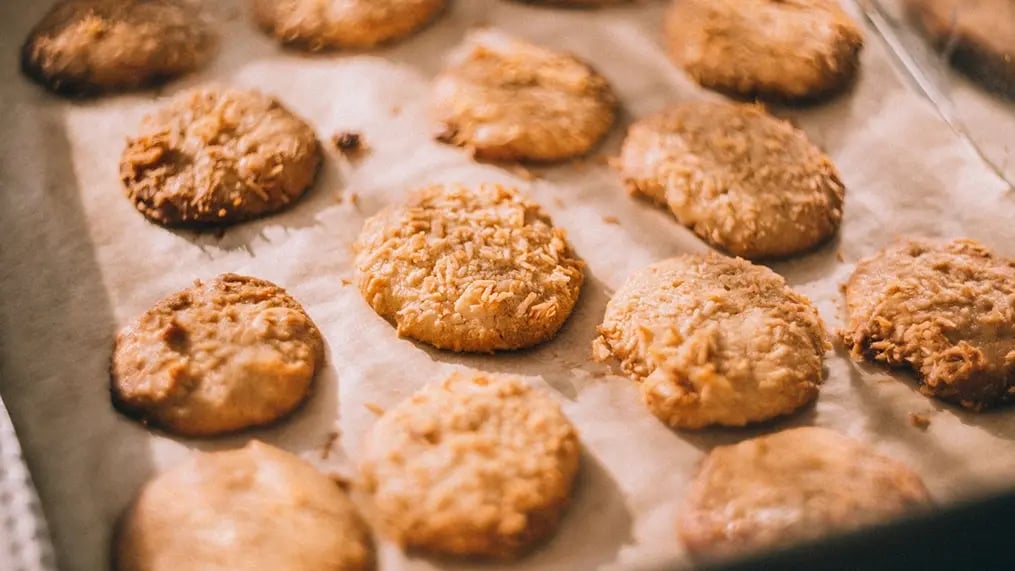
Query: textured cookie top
x,y
223,355
323,24
215,156
781,49
743,180
793,485
945,310
257,508
507,99
714,340
84,47
472,466
469,269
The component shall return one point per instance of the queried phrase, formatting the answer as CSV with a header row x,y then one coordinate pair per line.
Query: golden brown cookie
x,y
742,180
216,156
947,311
329,24
714,340
83,47
506,99
792,50
257,509
792,486
978,36
472,466
221,356
469,269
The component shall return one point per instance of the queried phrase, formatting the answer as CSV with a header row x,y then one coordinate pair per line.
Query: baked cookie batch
x,y
480,465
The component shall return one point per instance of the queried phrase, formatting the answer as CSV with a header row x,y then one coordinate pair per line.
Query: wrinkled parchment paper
x,y
78,262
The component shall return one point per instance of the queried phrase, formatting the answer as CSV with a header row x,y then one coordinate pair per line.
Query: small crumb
x,y
611,220
341,481
558,202
374,408
604,160
396,110
346,282
354,199
839,256
328,443
350,143
919,420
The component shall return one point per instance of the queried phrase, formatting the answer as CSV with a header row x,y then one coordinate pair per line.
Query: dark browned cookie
x,y
258,508
218,357
329,24
945,310
790,486
791,50
743,180
979,36
213,157
84,47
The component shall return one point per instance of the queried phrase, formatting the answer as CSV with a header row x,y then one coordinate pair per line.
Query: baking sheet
x,y
78,262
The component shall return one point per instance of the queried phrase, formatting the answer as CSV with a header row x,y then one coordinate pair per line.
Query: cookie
x,y
792,486
216,156
330,24
508,100
221,356
789,51
469,269
257,508
714,341
944,310
86,47
742,180
473,466
977,35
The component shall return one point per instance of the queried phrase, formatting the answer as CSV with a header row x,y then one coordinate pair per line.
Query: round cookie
x,y
221,356
791,486
978,36
329,24
213,157
469,269
943,310
791,51
744,181
714,341
257,508
506,99
472,466
84,47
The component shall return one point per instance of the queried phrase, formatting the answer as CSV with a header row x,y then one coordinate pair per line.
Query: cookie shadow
x,y
708,438
560,361
324,192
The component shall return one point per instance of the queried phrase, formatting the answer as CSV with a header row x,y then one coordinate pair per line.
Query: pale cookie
x,y
256,509
714,340
792,486
469,269
793,50
84,47
330,24
946,311
221,356
506,99
742,180
977,35
213,157
472,466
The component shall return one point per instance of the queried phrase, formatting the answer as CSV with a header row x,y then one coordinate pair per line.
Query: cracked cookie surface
x,y
714,341
226,354
944,310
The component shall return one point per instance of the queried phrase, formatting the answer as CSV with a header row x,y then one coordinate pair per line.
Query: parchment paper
x,y
78,262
